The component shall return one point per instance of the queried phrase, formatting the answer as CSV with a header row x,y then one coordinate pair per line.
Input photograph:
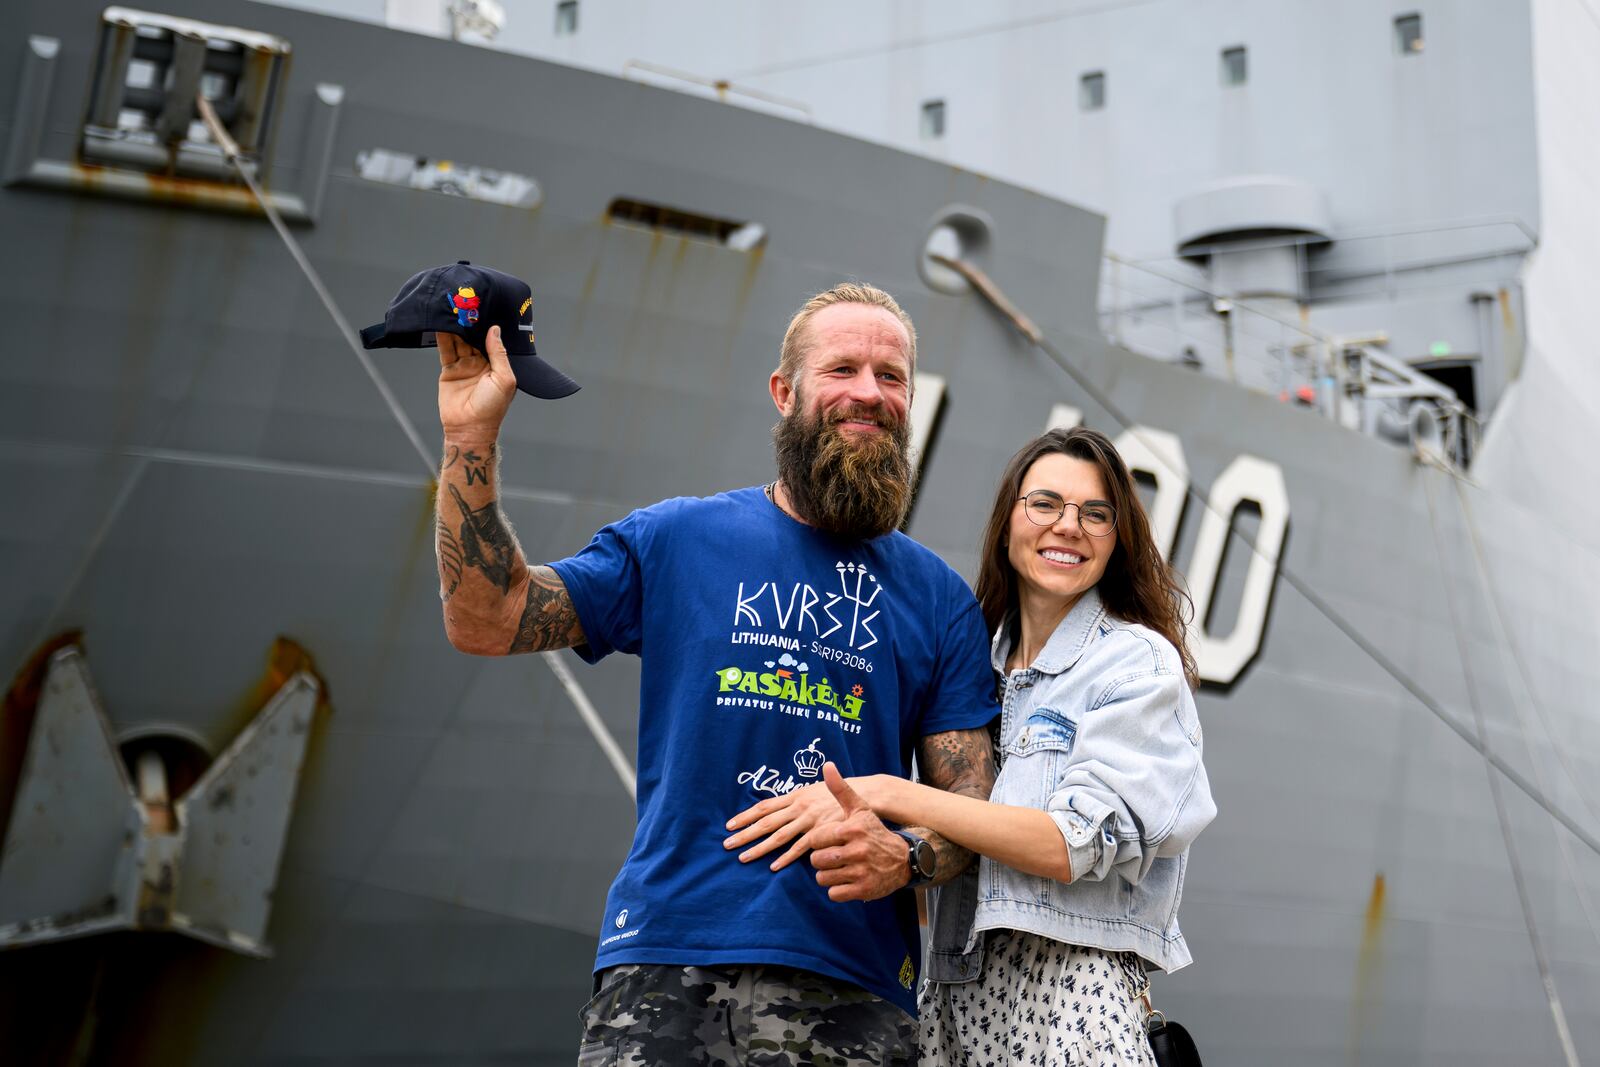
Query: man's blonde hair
x,y
793,352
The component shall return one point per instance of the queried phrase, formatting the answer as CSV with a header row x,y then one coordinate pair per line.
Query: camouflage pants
x,y
739,1016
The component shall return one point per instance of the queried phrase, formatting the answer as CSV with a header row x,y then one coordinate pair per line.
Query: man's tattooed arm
x,y
494,603
549,619
958,761
486,541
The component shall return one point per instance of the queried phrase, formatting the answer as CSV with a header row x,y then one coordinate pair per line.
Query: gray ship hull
x,y
198,466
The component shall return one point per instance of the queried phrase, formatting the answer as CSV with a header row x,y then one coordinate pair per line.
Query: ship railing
x,y
1389,262
714,88
1164,309
1355,274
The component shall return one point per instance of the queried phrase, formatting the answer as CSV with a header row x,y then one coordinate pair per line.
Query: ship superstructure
x,y
1334,203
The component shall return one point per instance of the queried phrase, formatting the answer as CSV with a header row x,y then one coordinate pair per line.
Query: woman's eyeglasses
x,y
1044,508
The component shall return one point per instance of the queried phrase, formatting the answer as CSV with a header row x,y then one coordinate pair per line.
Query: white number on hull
x,y
925,404
1064,417
1160,455
1220,659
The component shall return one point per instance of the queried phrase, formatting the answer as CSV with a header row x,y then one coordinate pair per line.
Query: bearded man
x,y
779,628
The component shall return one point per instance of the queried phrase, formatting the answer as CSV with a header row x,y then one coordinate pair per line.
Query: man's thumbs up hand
x,y
848,798
858,858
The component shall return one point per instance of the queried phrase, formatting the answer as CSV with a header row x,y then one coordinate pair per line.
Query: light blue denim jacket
x,y
1101,732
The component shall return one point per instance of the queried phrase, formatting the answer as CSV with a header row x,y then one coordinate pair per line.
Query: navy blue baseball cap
x,y
466,300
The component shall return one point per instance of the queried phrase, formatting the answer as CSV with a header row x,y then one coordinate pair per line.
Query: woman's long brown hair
x,y
1138,584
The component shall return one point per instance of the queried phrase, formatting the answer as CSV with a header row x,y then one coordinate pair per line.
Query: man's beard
x,y
853,484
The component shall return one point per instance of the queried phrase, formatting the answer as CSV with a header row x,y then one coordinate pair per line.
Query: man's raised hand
x,y
475,391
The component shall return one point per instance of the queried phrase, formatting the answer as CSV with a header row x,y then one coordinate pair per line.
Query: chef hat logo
x,y
808,761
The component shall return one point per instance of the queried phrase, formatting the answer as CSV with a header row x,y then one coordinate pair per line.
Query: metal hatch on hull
x,y
141,136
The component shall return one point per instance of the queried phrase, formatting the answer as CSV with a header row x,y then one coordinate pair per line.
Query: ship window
x,y
932,120
1234,68
1092,91
566,18
739,236
1408,34
448,177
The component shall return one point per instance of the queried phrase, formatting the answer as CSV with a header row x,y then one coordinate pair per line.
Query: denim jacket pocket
x,y
1036,759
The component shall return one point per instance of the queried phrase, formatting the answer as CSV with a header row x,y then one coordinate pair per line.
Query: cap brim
x,y
380,336
376,336
538,378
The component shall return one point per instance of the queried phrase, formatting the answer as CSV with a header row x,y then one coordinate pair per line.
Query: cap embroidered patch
x,y
465,305
526,304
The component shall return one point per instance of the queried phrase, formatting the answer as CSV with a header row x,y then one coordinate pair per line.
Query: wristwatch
x,y
922,859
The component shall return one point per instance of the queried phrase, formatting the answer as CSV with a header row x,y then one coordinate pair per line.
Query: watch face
x,y
924,859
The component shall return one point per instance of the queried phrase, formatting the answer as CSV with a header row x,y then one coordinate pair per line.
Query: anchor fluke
x,y
87,852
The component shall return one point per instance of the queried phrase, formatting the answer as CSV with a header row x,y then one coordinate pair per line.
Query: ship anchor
x,y
88,851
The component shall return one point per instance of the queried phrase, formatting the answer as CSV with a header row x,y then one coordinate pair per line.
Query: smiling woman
x,y
1074,470
1101,788
1059,540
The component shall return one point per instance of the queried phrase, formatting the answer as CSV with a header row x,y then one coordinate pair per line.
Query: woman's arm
x,y
1135,779
1025,839
1134,790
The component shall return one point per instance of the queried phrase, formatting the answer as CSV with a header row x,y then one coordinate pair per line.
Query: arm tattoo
x,y
450,460
486,542
549,620
478,466
958,761
449,560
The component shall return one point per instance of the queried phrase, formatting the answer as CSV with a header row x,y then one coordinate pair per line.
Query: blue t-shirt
x,y
767,647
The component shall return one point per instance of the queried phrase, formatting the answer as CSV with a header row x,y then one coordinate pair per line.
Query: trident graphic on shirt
x,y
846,571
808,610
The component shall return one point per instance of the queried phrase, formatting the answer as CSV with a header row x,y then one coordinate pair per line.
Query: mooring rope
x,y
567,680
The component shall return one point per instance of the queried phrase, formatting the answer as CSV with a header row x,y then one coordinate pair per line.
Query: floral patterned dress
x,y
1041,1003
